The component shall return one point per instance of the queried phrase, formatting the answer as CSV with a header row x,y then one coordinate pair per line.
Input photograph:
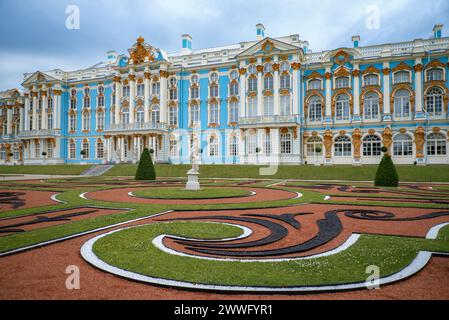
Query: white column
x,y
241,142
260,142
44,111
242,93
386,92
122,148
21,118
56,110
118,96
34,125
356,73
277,102
328,76
296,89
164,94
25,124
260,91
9,120
132,94
275,141
419,89
146,104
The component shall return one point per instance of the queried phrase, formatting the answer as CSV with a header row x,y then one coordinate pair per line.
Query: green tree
x,y
386,175
145,170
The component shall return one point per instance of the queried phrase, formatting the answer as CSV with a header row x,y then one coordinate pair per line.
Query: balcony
x,y
43,133
269,121
136,127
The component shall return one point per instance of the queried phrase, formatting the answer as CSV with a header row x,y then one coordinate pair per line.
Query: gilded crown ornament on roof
x,y
140,52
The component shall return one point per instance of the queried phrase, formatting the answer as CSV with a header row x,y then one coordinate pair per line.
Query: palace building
x,y
262,101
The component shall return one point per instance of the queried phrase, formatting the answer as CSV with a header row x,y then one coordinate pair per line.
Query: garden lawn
x,y
178,193
62,169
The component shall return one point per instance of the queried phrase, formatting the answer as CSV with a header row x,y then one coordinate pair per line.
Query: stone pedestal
x,y
192,180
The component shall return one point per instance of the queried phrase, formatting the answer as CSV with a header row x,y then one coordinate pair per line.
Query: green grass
x,y
178,193
63,169
132,249
437,173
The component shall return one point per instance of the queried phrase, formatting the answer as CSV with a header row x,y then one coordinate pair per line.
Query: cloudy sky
x,y
34,34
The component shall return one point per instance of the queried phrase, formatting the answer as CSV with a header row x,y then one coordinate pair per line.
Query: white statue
x,y
192,174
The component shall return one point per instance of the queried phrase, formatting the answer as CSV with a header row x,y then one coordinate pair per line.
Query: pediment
x,y
268,46
39,77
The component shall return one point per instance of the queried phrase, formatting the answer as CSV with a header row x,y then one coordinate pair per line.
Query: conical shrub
x,y
386,175
145,170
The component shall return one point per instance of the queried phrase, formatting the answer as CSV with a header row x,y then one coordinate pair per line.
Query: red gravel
x,y
30,198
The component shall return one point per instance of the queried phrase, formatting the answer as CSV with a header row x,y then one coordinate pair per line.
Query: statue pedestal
x,y
192,180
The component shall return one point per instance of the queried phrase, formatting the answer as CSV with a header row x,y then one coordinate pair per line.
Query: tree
x,y
145,169
386,175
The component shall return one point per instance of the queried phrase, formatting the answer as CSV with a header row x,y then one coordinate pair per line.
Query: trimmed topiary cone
x,y
145,170
386,175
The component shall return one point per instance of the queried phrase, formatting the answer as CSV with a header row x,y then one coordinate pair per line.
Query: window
x,y
252,107
402,104
268,68
214,77
125,116
436,144
125,91
72,150
140,90
194,93
213,146
86,91
268,83
50,121
213,91
85,149
371,106
285,105
314,84
402,145
50,149
155,115
173,81
173,94
268,105
252,69
86,121
313,144
194,114
234,89
250,144
50,103
434,75
173,147
140,117
213,113
286,143
155,88
233,146
100,120
234,75
401,77
285,81
101,89
173,115
342,146
39,122
434,101
252,84
371,146
100,149
195,79
234,112
315,109
267,144
342,82
285,66
37,150
371,80
86,102
72,122
342,107
101,101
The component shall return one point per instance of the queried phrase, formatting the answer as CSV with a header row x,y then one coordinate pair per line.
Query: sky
x,y
34,35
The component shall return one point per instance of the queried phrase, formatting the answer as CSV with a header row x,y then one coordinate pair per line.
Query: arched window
x,y
86,121
213,146
72,149
173,94
213,113
285,66
50,103
194,92
252,84
342,82
214,77
155,115
285,81
100,149
140,90
252,107
286,109
252,69
402,145
86,102
125,116
268,68
268,82
173,115
37,150
436,144
213,91
233,146
342,146
50,121
371,106
233,112
173,147
234,88
434,75
268,105
73,103
101,101
86,149
314,84
267,143
314,144
315,109
100,120
371,80
155,88
72,122
402,104
125,90
371,146
342,107
140,117
401,77
286,143
50,149
250,144
234,75
194,114
434,101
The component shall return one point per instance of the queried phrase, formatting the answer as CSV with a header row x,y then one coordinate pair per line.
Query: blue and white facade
x,y
262,101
